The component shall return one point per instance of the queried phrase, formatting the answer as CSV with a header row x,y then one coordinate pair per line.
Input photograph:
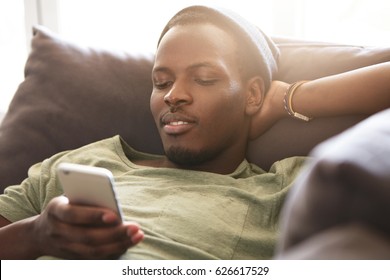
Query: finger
x,y
81,214
106,251
137,237
134,232
76,242
92,249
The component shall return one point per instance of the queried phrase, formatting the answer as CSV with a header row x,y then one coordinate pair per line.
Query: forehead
x,y
194,43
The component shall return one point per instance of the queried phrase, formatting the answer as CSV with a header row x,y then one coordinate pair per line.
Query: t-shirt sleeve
x,y
289,168
32,195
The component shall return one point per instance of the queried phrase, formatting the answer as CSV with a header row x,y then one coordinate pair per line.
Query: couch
x,y
74,94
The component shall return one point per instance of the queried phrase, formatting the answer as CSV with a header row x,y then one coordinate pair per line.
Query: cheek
x,y
156,103
234,99
157,106
228,110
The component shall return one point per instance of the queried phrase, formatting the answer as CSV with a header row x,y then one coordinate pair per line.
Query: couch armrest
x,y
346,182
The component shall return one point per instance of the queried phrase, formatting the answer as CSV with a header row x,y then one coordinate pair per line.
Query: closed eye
x,y
206,82
162,85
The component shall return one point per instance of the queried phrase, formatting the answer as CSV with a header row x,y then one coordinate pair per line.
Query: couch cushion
x,y
349,241
71,96
347,182
305,60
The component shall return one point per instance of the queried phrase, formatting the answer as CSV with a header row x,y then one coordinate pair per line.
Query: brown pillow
x,y
72,96
347,183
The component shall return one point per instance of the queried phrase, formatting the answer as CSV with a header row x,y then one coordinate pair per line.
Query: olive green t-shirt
x,y
185,214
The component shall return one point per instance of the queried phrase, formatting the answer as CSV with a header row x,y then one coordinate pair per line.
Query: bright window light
x,y
360,22
13,51
136,25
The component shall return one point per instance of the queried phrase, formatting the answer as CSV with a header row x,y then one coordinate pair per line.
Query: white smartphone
x,y
88,185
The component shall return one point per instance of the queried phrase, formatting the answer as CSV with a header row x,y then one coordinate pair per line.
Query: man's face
x,y
198,100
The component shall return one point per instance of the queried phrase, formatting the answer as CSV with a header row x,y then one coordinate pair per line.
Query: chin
x,y
188,157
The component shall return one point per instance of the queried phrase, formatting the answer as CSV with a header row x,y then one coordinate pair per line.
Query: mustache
x,y
176,116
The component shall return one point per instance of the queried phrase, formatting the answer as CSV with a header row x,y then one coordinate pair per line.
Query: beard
x,y
187,157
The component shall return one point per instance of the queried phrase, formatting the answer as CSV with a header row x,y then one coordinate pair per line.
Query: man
x,y
202,200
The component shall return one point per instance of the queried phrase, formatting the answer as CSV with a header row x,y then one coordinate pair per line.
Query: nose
x,y
177,97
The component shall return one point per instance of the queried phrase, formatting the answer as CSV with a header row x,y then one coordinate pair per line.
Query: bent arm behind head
x,y
363,91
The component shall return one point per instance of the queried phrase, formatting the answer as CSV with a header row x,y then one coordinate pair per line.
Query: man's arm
x,y
16,240
68,231
362,91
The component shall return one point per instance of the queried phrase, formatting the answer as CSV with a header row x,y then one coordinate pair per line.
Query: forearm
x,y
362,91
17,241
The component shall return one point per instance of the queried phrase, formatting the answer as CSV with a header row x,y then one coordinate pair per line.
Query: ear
x,y
255,95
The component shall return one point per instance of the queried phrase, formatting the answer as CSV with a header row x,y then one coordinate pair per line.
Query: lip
x,y
176,123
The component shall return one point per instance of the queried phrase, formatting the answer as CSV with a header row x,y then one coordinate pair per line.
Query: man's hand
x,y
272,110
82,232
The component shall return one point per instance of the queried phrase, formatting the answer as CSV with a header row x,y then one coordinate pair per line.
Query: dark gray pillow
x,y
347,183
73,96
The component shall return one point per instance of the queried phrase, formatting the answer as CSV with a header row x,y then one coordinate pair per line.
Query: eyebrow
x,y
161,69
191,67
201,64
